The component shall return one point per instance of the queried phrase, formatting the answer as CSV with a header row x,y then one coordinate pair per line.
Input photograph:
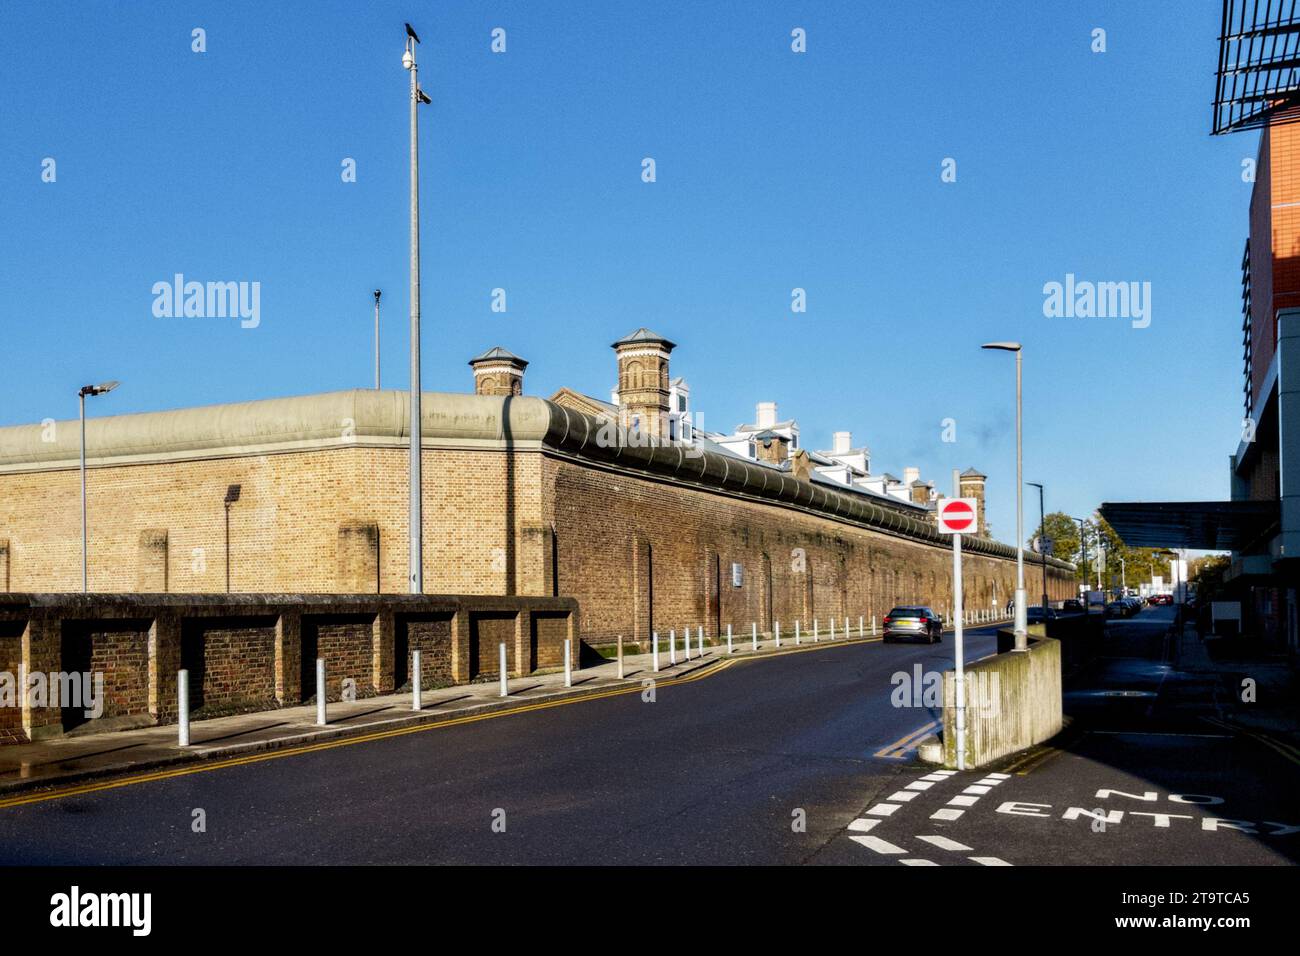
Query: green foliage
x,y
1104,549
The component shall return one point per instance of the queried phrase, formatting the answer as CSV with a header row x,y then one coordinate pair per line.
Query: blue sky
x,y
775,170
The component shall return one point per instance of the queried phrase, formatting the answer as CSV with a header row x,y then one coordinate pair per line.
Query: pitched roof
x,y
972,473
644,335
497,354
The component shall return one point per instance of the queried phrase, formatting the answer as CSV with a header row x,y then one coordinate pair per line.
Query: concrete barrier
x,y
1013,702
252,652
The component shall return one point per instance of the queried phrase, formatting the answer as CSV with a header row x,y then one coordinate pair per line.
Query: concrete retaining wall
x,y
1013,702
248,652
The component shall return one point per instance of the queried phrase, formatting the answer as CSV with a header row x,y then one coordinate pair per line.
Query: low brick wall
x,y
249,652
1013,702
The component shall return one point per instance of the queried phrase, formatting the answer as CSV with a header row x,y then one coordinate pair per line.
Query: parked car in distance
x,y
913,624
1116,609
1034,614
1072,607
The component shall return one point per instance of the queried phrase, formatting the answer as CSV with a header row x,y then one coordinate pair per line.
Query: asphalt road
x,y
724,770
718,770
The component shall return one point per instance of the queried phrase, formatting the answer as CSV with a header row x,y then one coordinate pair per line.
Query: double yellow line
x,y
220,764
900,746
1286,750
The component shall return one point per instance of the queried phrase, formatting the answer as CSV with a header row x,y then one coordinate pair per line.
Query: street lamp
x,y
1083,558
81,396
1022,634
232,495
377,295
1042,534
415,520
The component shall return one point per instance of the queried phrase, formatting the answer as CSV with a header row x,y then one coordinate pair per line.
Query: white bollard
x,y
861,632
501,669
686,643
847,632
655,645
320,691
777,633
873,625
816,630
416,702
699,631
753,635
796,632
672,646
620,657
568,662
183,707
729,648
832,629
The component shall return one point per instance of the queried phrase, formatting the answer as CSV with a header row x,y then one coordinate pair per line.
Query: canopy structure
x,y
1207,525
1258,79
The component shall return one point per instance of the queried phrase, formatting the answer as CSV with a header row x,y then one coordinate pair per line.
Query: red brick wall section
x,y
431,636
346,643
232,668
120,651
11,657
487,633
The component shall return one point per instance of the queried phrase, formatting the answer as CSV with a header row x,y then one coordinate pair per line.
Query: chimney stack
x,y
497,372
771,447
842,442
911,475
765,414
643,382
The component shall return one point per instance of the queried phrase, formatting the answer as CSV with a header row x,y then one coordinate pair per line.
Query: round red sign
x,y
957,515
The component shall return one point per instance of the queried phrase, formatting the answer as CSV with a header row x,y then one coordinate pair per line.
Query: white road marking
x,y
945,773
921,784
943,843
960,801
947,813
862,826
999,776
918,862
902,796
977,790
883,809
934,778
879,845
988,861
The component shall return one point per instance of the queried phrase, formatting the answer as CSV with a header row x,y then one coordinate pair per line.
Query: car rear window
x,y
907,612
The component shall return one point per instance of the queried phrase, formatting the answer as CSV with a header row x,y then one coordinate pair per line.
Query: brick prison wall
x,y
231,665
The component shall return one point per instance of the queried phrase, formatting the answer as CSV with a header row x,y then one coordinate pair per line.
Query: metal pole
x,y
753,635
227,547
320,691
959,651
183,707
796,631
416,697
620,657
655,645
415,519
504,677
1021,626
729,647
672,647
568,663
85,575
777,633
377,294
686,643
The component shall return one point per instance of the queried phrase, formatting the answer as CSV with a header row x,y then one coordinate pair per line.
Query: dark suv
x,y
913,624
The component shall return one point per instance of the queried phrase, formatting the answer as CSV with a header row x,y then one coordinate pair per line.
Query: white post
x,y
672,646
686,642
655,645
960,653
753,634
699,633
568,662
861,632
320,691
620,657
796,631
183,707
416,702
501,668
816,630
847,632
873,625
832,629
730,650
777,633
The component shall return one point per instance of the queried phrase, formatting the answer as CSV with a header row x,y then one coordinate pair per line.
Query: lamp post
x,y
232,495
1042,533
1083,558
415,519
1022,634
81,397
377,295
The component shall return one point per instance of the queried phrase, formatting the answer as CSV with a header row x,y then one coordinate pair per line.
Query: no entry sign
x,y
957,515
